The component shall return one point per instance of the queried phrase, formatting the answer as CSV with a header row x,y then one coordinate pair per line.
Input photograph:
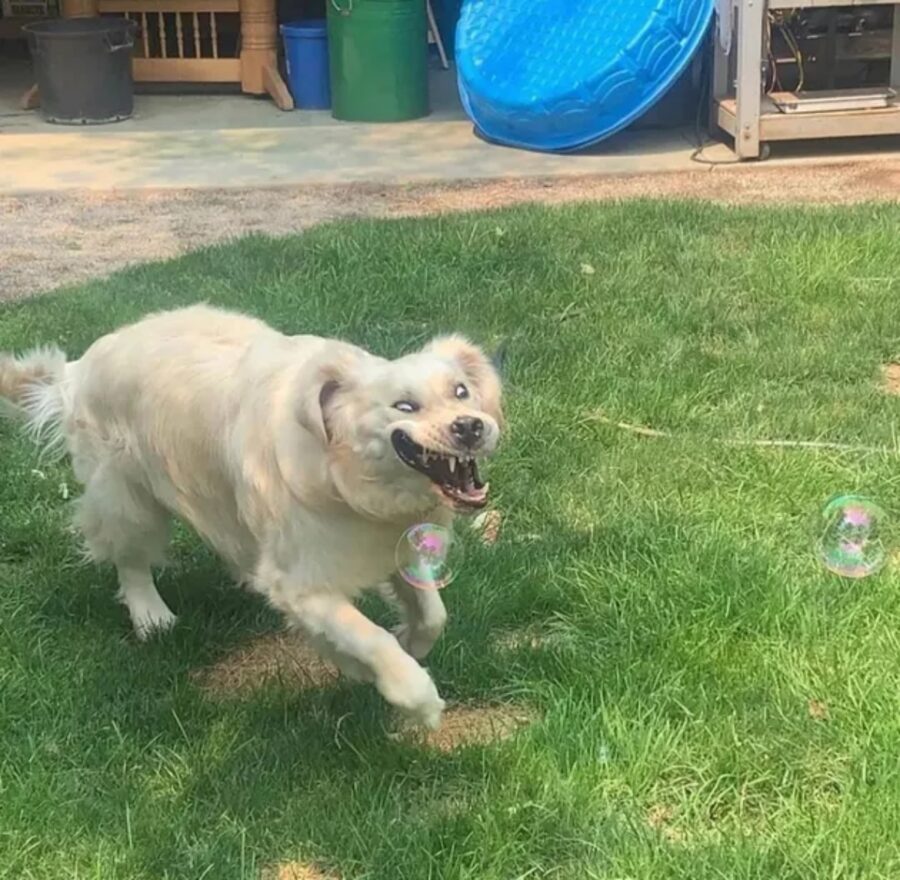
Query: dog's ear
x,y
480,372
319,399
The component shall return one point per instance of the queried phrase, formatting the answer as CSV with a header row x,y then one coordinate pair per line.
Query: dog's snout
x,y
468,431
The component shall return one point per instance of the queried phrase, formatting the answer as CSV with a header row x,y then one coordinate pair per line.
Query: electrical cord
x,y
701,144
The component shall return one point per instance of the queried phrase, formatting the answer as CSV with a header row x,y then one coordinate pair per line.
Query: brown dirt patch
x,y
517,639
890,379
282,657
533,638
488,525
51,240
818,710
475,725
296,871
659,818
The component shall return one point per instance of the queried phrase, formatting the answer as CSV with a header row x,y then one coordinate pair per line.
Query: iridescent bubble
x,y
428,556
851,540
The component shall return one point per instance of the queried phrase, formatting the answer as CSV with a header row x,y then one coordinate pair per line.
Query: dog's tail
x,y
31,387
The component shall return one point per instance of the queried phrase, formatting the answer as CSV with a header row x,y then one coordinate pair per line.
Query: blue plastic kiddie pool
x,y
561,75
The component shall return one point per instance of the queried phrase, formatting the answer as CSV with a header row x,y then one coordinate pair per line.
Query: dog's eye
x,y
406,406
461,392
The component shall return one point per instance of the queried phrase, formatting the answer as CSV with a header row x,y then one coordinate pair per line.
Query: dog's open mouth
x,y
455,476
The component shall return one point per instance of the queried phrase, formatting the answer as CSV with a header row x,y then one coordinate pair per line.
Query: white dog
x,y
300,460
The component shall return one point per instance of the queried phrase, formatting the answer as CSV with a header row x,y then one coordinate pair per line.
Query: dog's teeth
x,y
452,462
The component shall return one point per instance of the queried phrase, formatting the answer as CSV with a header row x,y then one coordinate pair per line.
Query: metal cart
x,y
755,119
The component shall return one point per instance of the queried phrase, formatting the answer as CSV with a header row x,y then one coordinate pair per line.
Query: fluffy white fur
x,y
277,450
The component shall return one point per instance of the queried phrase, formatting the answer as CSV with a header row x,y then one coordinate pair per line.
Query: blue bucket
x,y
306,56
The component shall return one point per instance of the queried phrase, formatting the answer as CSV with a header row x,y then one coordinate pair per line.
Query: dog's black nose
x,y
467,430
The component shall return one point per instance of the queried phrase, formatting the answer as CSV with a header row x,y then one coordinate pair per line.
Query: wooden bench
x,y
185,41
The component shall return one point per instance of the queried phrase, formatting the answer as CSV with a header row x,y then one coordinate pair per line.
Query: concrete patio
x,y
215,140
204,140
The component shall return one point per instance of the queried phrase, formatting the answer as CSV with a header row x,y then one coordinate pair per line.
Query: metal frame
x,y
752,120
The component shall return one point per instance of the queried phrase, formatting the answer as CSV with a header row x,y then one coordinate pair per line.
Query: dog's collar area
x,y
456,477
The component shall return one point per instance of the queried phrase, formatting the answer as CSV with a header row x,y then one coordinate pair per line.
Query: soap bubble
x,y
851,539
428,556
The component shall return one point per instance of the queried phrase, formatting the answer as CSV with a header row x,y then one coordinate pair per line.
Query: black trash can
x,y
83,69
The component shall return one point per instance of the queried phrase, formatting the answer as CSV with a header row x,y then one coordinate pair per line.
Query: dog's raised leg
x,y
423,617
343,634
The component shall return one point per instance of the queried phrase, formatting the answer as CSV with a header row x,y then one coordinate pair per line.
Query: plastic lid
x,y
79,27
313,27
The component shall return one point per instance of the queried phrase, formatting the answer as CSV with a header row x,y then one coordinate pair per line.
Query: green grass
x,y
687,624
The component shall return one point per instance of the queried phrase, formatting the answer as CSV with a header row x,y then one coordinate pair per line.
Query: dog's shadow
x,y
245,754
248,755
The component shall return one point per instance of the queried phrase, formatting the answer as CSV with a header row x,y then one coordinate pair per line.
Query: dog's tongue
x,y
465,486
470,495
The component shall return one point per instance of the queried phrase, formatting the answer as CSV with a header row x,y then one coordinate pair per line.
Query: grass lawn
x,y
710,701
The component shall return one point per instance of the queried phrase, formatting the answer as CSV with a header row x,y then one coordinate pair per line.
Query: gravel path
x,y
51,240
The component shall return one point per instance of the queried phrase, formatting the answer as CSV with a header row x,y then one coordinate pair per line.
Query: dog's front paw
x,y
417,641
412,691
151,623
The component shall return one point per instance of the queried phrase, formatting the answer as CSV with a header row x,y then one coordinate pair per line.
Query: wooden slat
x,y
145,34
179,35
776,126
725,115
224,70
128,16
197,52
160,17
110,7
215,35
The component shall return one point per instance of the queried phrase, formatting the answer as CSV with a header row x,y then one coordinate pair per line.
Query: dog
x,y
300,460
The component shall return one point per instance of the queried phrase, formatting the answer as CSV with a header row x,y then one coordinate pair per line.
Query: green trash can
x,y
379,59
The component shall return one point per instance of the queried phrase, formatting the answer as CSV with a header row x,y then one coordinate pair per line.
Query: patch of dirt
x,y
282,657
534,638
515,640
50,240
890,379
296,871
659,818
474,725
488,525
818,710
286,658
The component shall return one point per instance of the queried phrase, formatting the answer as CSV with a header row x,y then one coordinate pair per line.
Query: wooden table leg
x,y
259,55
79,8
277,88
31,100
